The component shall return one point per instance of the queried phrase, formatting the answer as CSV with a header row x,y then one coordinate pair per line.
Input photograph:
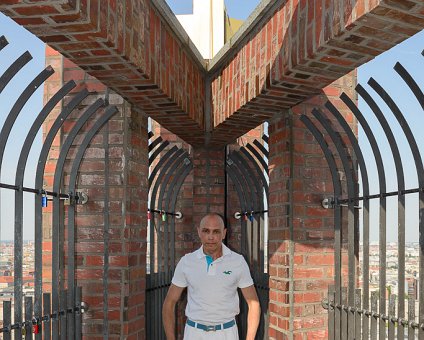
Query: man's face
x,y
211,233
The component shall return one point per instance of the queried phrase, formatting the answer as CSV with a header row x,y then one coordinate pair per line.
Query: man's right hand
x,y
168,310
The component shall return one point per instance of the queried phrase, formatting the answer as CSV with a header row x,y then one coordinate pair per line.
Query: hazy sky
x,y
381,68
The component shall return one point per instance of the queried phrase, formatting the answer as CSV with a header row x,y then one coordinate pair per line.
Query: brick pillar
x,y
301,232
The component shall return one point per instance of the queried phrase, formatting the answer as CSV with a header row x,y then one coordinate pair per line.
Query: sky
x,y
407,53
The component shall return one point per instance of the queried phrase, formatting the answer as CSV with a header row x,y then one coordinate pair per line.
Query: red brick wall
x,y
301,232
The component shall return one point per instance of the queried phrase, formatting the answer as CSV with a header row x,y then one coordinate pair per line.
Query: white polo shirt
x,y
212,289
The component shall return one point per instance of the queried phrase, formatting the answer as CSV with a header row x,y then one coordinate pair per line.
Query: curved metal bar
x,y
13,69
258,204
337,213
176,178
19,177
4,135
365,185
412,84
153,193
17,107
248,183
172,205
158,151
160,164
265,184
3,42
57,226
350,177
153,144
261,148
420,174
42,159
258,157
401,198
110,112
231,171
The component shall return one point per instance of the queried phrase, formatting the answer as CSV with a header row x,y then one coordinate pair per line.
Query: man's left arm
x,y
254,313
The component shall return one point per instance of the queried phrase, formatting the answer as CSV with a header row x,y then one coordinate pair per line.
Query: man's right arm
x,y
168,314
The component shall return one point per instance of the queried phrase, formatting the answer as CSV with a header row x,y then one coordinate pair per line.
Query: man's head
x,y
211,232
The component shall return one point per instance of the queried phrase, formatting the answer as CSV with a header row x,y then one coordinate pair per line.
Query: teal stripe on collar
x,y
209,260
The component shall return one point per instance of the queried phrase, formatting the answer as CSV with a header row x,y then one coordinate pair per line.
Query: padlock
x,y
36,329
149,215
163,216
44,200
251,216
23,331
245,216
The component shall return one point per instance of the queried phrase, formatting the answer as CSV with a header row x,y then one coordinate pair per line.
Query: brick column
x,y
301,232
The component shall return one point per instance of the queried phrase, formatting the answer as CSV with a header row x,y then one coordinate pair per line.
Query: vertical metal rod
x,y
331,313
351,234
345,321
401,201
28,317
57,225
63,318
47,311
366,206
358,319
110,111
18,233
411,314
392,311
420,174
7,318
374,302
337,216
38,221
78,318
20,170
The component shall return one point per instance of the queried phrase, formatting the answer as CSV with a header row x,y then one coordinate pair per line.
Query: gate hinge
x,y
328,203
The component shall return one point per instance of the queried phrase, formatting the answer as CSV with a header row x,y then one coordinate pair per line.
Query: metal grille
x,y
57,314
247,169
354,312
169,167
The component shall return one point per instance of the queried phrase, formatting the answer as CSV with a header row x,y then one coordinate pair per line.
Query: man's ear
x,y
224,233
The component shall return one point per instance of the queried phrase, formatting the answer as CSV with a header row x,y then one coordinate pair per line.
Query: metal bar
x,y
28,317
411,315
392,311
110,112
331,313
57,225
13,69
401,199
158,151
337,215
74,102
366,221
172,206
46,311
63,317
258,156
265,138
358,319
7,318
415,88
374,302
153,144
382,195
18,232
159,164
350,177
345,320
261,148
20,170
78,319
260,174
3,42
420,174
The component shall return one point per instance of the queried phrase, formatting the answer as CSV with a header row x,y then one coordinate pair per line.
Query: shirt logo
x,y
228,272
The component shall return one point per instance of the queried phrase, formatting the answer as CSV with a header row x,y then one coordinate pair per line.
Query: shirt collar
x,y
225,251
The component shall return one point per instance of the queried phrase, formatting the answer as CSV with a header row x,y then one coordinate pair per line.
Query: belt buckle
x,y
210,328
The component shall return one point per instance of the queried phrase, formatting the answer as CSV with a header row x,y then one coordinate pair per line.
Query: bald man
x,y
212,275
